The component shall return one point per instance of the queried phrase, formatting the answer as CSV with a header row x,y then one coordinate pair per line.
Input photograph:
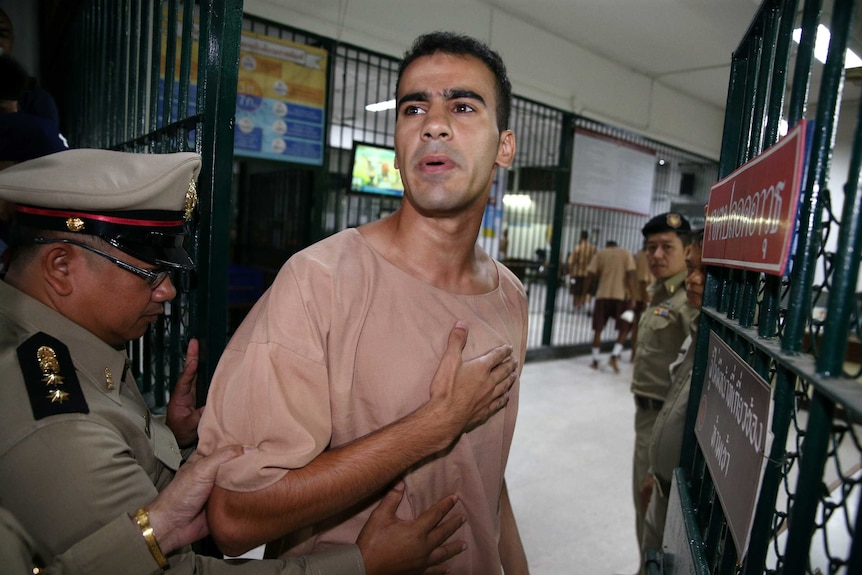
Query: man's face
x,y
115,304
446,140
695,279
666,254
7,36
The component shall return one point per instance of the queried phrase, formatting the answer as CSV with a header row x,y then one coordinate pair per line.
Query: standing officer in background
x,y
96,237
666,441
663,328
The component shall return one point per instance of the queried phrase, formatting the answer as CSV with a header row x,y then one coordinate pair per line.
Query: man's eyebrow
x,y
414,97
450,94
458,93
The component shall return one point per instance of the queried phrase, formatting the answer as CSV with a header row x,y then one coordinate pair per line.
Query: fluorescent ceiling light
x,y
517,201
821,47
381,106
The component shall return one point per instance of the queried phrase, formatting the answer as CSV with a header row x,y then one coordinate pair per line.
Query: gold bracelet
x,y
142,516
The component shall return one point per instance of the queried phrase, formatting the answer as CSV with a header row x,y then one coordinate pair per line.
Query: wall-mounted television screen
x,y
374,171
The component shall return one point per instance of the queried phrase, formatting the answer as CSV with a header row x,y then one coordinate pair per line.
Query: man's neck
x,y
438,251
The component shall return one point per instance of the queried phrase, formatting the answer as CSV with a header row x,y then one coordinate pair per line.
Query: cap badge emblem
x,y
191,200
51,374
674,221
74,224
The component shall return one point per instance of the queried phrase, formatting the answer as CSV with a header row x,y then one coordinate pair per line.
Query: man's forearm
x,y
463,394
333,481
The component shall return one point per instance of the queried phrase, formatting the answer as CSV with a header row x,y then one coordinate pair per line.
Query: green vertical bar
x,y
761,530
804,60
778,86
185,64
561,198
762,54
321,184
769,307
155,68
134,36
102,55
727,564
809,485
730,142
221,29
753,44
845,265
811,209
854,562
170,65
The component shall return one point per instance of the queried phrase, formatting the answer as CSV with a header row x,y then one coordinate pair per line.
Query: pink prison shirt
x,y
342,344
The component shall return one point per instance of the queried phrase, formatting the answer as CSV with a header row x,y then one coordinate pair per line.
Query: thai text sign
x,y
733,430
751,215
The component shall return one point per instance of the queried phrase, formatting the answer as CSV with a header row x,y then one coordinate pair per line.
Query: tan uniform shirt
x,y
66,475
666,441
342,344
663,327
610,265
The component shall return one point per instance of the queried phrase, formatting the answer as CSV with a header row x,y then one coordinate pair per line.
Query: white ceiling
x,y
684,44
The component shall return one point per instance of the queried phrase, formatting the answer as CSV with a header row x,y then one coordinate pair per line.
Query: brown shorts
x,y
607,309
577,285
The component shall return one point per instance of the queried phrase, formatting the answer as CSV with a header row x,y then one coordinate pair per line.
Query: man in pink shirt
x,y
329,374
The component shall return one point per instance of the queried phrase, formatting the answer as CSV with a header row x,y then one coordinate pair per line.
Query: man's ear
x,y
506,149
56,264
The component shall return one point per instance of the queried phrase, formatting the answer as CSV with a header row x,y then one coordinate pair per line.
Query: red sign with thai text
x,y
751,215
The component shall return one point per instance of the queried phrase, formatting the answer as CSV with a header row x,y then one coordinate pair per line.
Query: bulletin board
x,y
611,173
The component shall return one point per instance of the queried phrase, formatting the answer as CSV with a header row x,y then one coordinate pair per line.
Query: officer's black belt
x,y
648,402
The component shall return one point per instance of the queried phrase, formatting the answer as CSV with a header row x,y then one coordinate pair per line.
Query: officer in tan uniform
x,y
96,237
663,328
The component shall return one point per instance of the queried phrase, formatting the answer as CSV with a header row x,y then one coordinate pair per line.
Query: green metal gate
x,y
160,76
807,515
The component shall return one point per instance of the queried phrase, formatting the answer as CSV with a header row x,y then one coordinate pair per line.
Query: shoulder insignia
x,y
50,377
660,311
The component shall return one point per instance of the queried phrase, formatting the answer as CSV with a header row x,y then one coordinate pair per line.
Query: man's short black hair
x,y
13,78
462,45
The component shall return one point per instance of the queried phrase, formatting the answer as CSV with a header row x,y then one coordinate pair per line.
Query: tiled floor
x,y
569,472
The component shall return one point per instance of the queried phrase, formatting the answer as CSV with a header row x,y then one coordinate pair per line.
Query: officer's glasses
x,y
152,277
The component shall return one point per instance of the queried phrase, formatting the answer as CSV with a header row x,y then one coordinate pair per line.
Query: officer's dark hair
x,y
461,45
696,237
685,236
585,234
23,247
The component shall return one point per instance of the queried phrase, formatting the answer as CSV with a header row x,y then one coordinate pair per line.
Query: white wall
x,y
542,67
